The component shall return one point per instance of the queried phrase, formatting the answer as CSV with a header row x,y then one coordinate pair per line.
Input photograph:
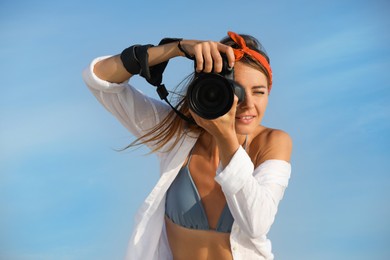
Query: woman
x,y
221,179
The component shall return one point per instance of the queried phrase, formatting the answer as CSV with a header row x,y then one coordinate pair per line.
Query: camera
x,y
211,95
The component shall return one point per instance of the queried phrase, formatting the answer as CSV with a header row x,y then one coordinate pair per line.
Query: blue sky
x,y
65,193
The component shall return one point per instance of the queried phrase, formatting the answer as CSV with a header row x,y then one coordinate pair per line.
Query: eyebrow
x,y
256,87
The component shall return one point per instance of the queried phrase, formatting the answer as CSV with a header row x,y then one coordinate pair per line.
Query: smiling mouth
x,y
245,117
246,120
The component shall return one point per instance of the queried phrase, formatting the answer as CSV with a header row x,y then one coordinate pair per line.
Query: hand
x,y
224,132
207,54
223,127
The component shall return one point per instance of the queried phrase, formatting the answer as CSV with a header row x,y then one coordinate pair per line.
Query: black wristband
x,y
184,51
130,60
135,60
169,40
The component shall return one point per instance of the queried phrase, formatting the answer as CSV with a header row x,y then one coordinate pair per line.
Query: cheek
x,y
265,103
261,108
262,102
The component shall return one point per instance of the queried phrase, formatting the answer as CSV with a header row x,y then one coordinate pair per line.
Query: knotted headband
x,y
239,53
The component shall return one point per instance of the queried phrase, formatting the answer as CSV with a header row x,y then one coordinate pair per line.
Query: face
x,y
250,112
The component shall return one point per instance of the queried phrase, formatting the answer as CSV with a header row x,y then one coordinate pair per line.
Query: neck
x,y
209,144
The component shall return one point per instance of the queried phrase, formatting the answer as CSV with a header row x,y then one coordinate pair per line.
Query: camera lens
x,y
210,95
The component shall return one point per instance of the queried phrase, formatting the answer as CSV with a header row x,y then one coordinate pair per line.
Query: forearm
x,y
112,69
227,148
255,205
253,195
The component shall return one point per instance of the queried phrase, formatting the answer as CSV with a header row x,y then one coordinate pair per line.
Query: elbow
x,y
261,224
259,230
254,234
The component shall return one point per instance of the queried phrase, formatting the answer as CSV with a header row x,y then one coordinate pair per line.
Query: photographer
x,y
222,176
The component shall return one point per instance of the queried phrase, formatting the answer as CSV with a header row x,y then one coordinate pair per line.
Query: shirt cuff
x,y
236,173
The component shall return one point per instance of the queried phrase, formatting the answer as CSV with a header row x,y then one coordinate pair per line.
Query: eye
x,y
259,92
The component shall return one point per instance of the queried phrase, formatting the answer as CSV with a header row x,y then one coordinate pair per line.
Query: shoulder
x,y
277,137
271,144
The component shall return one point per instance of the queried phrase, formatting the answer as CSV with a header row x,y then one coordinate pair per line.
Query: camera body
x,y
211,95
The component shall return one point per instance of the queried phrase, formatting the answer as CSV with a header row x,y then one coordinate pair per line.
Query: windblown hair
x,y
172,127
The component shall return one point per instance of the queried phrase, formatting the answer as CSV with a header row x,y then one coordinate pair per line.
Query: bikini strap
x,y
190,156
245,142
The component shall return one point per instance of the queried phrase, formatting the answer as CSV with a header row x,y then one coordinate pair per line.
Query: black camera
x,y
211,95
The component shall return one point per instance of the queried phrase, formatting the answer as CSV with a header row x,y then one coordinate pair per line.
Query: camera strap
x,y
154,74
163,94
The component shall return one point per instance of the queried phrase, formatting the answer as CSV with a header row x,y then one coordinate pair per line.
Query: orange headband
x,y
239,53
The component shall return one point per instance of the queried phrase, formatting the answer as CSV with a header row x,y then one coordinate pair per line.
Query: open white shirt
x,y
252,194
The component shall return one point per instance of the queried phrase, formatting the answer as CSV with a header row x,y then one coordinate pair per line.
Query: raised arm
x,y
205,53
112,69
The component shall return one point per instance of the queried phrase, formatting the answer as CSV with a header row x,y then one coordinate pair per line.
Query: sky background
x,y
66,193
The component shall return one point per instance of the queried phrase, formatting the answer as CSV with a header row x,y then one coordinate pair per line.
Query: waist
x,y
190,244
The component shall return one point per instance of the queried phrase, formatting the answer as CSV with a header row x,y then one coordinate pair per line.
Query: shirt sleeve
x,y
136,111
253,195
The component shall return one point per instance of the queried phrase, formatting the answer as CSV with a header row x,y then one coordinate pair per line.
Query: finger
x,y
217,59
208,60
199,61
235,100
229,54
234,105
198,120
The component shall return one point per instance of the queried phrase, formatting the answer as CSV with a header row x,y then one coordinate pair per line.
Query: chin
x,y
245,130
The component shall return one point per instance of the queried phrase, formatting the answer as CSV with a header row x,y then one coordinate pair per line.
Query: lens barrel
x,y
211,95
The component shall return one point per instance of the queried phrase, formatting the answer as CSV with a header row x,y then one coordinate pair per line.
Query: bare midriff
x,y
192,244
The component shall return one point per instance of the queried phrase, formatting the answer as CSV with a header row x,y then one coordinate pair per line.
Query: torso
x,y
194,244
203,173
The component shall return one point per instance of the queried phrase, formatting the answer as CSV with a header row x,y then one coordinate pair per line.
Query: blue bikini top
x,y
183,205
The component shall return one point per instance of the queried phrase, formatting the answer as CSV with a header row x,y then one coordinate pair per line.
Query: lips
x,y
246,119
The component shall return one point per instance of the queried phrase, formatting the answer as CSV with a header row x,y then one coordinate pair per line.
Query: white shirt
x,y
252,194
